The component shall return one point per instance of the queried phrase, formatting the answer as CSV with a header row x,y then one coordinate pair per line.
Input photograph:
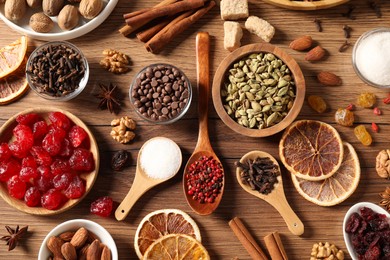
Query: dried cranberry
x,y
60,119
43,183
41,156
16,187
52,144
76,188
5,152
24,136
373,253
28,119
18,150
62,181
32,197
39,130
77,135
59,166
82,160
102,206
57,131
66,148
53,199
28,173
44,171
9,169
29,161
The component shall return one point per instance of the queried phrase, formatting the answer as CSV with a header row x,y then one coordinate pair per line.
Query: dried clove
x,y
374,5
348,14
318,24
344,46
347,31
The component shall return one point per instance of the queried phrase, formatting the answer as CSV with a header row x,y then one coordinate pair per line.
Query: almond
x,y
54,245
79,238
315,54
68,251
302,43
106,253
328,78
66,236
83,252
94,252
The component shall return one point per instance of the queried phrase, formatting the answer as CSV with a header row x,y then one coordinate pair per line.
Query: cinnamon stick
x,y
177,26
147,34
275,246
247,240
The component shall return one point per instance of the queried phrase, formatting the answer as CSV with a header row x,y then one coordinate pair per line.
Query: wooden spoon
x,y
142,183
203,146
276,198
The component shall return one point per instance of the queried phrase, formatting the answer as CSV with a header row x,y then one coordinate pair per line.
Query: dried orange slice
x,y
176,246
13,86
12,56
336,188
311,150
161,223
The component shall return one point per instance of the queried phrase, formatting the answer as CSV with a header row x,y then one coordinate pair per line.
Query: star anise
x,y
108,98
385,202
14,236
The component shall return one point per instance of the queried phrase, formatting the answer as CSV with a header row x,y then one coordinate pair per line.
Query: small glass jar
x,y
369,53
160,93
48,89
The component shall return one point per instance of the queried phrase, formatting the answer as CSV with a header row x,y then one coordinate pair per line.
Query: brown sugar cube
x,y
232,35
260,27
234,9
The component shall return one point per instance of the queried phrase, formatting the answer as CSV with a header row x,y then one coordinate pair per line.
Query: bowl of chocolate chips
x,y
57,71
161,93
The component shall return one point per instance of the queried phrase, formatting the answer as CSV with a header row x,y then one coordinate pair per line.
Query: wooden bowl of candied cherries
x,y
49,161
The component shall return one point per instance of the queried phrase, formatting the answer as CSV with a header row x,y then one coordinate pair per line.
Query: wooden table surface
x,y
321,223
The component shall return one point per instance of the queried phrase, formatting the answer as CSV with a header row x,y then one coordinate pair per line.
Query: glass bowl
x,y
160,93
38,88
365,58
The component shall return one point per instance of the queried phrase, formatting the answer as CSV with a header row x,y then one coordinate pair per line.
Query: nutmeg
x,y
68,17
52,7
40,22
89,9
15,9
34,3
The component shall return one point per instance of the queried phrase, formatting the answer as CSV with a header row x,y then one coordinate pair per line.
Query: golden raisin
x,y
344,117
366,100
317,103
362,135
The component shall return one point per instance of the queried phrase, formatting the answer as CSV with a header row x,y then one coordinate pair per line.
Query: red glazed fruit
x,y
39,129
59,119
16,187
32,197
29,161
5,152
59,166
66,148
77,135
9,169
52,144
62,181
17,150
53,199
28,173
44,184
28,119
81,160
41,156
76,188
102,206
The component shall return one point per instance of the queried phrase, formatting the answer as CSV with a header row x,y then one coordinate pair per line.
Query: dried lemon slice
x,y
13,86
12,56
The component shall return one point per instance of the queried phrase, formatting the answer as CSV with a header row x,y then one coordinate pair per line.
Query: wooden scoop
x,y
142,183
276,198
203,146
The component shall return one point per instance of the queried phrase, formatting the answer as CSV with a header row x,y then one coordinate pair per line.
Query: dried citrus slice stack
x,y
160,223
336,188
13,86
311,150
12,56
176,246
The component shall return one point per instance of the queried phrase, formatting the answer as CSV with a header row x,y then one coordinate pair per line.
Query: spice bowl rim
x,y
362,37
355,208
82,84
220,77
182,112
103,235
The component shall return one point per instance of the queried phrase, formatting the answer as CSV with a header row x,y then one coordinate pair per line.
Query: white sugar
x,y
160,158
372,58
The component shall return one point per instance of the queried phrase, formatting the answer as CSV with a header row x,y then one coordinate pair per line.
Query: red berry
x,y
66,148
39,130
375,127
386,100
9,169
350,107
43,183
44,171
5,152
102,206
28,173
16,187
52,144
41,156
59,166
76,188
32,197
82,160
57,131
29,161
24,136
60,119
77,135
17,150
53,199
377,111
62,181
28,119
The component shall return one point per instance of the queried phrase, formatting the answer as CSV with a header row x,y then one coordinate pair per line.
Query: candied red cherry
x,y
57,131
16,187
29,161
40,129
60,119
66,148
44,183
9,169
17,150
59,166
24,136
62,181
28,173
32,197
76,188
52,144
102,206
82,160
44,171
53,199
41,156
5,152
28,119
77,135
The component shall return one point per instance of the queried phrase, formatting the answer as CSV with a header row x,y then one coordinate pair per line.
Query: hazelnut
x,y
90,8
68,18
14,10
34,3
40,22
52,7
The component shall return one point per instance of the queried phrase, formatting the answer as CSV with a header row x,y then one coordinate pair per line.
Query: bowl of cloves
x,y
57,71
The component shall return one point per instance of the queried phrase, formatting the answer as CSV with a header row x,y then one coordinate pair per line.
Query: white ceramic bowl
x,y
75,224
84,27
353,209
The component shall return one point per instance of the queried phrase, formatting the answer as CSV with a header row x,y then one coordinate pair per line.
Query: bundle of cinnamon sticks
x,y
158,25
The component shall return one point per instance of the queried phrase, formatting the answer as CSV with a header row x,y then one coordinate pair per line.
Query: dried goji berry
x,y
377,111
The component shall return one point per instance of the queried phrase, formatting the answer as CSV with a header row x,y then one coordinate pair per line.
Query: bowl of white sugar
x,y
370,57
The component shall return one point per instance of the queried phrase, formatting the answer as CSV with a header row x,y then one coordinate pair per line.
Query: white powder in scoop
x,y
373,58
160,158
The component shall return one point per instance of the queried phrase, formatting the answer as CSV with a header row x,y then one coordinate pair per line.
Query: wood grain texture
x,y
321,223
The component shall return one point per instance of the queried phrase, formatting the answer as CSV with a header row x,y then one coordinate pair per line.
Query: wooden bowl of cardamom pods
x,y
258,90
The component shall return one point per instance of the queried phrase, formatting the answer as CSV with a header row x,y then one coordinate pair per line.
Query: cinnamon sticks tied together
x,y
157,26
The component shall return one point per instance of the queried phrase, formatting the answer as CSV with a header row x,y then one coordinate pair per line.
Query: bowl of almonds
x,y
258,90
78,239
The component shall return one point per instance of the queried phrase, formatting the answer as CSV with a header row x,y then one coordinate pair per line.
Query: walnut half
x,y
383,163
122,129
115,61
326,251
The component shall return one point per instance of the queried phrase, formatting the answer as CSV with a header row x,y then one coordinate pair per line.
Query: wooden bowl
x,y
306,5
90,177
220,78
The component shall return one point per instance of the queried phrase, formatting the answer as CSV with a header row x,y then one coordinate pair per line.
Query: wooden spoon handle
x,y
294,224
